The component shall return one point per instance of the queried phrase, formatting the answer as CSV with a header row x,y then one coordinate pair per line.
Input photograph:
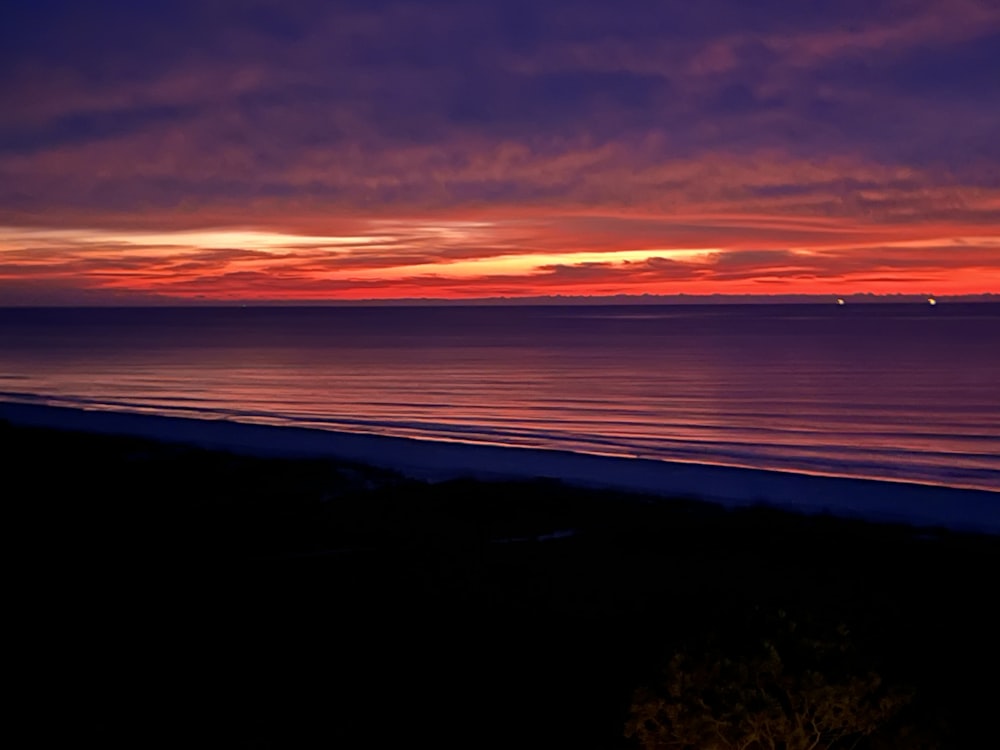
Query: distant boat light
x,y
840,300
931,301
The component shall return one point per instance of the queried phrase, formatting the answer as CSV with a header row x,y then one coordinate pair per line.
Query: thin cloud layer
x,y
325,150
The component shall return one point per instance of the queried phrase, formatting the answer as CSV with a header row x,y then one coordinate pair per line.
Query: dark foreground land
x,y
166,595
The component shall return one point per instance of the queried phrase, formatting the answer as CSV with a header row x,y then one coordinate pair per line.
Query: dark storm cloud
x,y
82,127
301,75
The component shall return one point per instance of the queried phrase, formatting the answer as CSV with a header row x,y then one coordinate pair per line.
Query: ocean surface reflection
x,y
882,390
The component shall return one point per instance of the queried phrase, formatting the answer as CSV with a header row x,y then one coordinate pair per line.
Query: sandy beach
x,y
900,502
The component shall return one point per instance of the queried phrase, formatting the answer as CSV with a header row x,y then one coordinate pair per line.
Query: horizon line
x,y
577,300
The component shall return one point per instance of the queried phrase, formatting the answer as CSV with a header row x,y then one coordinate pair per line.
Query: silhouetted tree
x,y
784,692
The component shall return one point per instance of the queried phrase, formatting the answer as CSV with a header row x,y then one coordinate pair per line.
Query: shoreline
x,y
957,509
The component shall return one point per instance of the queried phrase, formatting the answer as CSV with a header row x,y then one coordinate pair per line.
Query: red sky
x,y
346,150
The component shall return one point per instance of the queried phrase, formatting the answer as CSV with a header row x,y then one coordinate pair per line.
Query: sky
x,y
250,150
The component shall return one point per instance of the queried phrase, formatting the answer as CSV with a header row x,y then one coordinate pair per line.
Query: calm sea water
x,y
882,390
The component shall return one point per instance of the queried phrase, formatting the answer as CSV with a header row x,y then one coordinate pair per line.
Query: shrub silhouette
x,y
780,690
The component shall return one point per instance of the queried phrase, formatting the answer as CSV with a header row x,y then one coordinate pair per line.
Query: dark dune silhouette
x,y
183,595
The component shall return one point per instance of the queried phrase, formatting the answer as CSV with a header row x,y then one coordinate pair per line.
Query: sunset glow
x,y
390,151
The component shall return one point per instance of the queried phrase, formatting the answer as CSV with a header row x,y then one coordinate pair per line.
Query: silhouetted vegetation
x,y
777,684
174,595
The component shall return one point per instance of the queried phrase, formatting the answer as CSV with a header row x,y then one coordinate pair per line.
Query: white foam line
x,y
918,504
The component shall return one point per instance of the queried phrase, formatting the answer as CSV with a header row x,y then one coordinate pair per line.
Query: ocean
x,y
886,391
